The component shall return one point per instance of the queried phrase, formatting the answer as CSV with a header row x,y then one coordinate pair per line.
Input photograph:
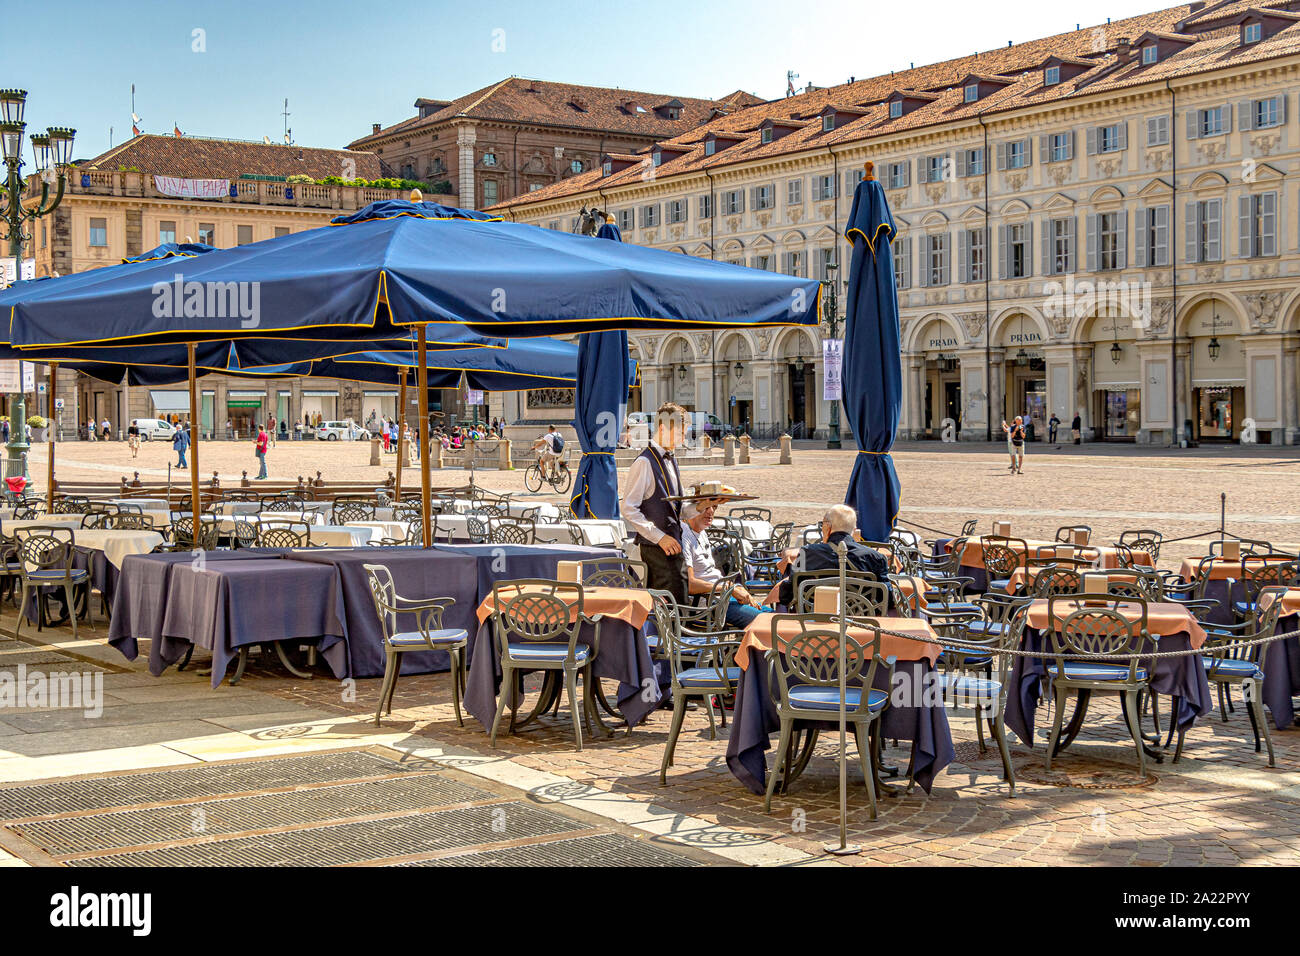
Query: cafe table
x,y
918,717
9,526
1171,626
395,530
1224,583
1024,578
972,556
1282,663
623,655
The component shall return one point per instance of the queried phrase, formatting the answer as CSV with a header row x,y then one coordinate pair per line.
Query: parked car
x,y
340,431
151,428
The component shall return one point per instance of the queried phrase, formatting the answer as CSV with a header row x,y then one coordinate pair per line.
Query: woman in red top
x,y
260,447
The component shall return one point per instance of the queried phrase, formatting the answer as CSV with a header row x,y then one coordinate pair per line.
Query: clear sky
x,y
344,64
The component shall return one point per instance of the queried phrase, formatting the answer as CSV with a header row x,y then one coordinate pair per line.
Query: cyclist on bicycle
x,y
549,448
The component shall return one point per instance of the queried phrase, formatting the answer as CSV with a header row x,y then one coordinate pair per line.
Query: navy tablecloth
x,y
1282,672
755,720
226,605
1182,677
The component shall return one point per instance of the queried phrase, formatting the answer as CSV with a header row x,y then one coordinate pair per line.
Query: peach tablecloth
x,y
972,555
626,604
1290,601
758,636
1026,576
1164,619
1222,568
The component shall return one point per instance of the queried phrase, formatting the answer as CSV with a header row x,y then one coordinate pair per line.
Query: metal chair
x,y
1052,580
1143,539
1258,576
347,511
476,526
1065,534
805,674
1001,558
613,573
750,513
45,560
864,596
428,635
536,624
281,536
246,533
511,531
1095,631
126,521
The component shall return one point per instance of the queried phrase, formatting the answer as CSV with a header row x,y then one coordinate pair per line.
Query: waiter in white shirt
x,y
657,521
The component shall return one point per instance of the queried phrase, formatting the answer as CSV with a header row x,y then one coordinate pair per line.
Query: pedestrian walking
x,y
1053,424
385,431
1016,443
106,428
260,448
133,438
90,430
270,430
1076,427
180,442
4,431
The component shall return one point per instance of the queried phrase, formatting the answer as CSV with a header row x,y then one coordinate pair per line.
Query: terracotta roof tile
x,y
195,157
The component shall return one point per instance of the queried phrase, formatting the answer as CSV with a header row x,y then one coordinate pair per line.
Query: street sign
x,y
733,399
58,404
832,364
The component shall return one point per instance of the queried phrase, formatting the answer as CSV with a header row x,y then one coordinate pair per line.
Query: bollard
x,y
437,454
469,455
376,445
503,455
243,480
729,450
744,449
706,444
786,457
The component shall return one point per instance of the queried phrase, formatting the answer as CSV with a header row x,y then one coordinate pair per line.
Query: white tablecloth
x,y
117,543
10,525
339,536
381,529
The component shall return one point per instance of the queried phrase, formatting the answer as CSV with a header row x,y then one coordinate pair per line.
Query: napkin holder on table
x,y
1002,529
1095,584
1080,536
569,572
826,600
1064,551
1231,550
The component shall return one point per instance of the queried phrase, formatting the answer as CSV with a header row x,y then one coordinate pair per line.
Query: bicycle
x,y
535,477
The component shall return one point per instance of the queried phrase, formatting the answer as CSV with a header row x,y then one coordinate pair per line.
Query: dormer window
x,y
658,157
972,92
674,113
1252,32
710,147
895,109
1150,54
1051,76
828,122
765,135
607,168
575,166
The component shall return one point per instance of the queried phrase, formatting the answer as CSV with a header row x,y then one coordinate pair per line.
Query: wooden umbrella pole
x,y
426,479
51,431
401,430
195,508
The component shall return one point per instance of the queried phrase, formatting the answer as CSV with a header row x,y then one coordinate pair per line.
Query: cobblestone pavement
x,y
1220,805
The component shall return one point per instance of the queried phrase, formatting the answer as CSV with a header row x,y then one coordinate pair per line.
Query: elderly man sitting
x,y
702,571
838,524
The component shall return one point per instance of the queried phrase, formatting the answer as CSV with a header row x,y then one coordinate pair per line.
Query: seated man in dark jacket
x,y
838,525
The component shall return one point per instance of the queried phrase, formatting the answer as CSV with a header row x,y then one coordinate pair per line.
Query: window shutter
x,y
943,258
1213,230
1141,250
1071,264
1192,229
1069,145
1092,140
1227,117
1121,241
1245,114
1268,224
1049,261
1029,151
1002,155
740,200
920,169
753,197
1122,142
1045,147
1093,224
1281,110
1160,254
1244,230
1029,248
1193,124
961,164
686,210
907,262
923,275
1003,269
963,255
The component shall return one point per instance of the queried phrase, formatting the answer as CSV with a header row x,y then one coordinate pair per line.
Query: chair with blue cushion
x,y
536,625
1230,660
45,561
1001,558
1258,575
427,635
1090,632
805,682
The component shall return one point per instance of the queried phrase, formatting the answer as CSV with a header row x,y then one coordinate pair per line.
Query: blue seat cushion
x,y
999,584
652,640
1080,670
828,698
986,627
706,677
56,574
972,658
447,635
1227,667
1244,608
548,652
970,688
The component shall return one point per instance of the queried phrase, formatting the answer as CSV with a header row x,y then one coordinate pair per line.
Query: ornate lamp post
x,y
52,152
830,307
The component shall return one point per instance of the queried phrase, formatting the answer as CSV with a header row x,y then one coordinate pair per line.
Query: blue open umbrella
x,y
600,405
872,374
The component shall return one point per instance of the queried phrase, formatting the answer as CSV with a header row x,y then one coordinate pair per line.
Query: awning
x,y
170,401
379,394
318,394
236,394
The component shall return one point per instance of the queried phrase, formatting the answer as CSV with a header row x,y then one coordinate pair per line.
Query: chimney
x,y
374,129
1122,49
1197,7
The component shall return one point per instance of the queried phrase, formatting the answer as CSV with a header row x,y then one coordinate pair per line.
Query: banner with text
x,y
832,365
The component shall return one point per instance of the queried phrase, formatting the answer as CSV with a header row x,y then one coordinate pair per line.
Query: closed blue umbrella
x,y
600,404
872,374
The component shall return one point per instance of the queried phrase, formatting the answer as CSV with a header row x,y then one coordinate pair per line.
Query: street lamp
x,y
830,306
1214,347
52,154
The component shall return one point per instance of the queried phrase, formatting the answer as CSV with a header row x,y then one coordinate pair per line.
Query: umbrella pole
x,y
401,430
195,508
422,380
49,478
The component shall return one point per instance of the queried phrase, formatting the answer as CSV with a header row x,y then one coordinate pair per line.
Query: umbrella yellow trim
x,y
871,240
128,261
416,215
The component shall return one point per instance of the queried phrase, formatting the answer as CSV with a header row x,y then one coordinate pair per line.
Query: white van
x,y
151,428
344,431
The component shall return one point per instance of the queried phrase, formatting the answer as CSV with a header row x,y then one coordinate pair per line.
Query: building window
x,y
1158,130
794,192
625,220
971,93
763,262
533,187
706,207
733,202
824,187
677,210
935,167
1017,154
1061,146
650,216
1153,236
606,168
281,231
825,256
828,122
1266,113
657,158
554,224
1061,245
710,147
489,192
1150,54
792,263
897,175
1051,76
1111,139
895,109
1258,225
99,233
851,179
243,235
489,159
1110,241
936,260
1211,122
970,162
1204,230
166,232
575,166
1016,254
1252,33
974,256
902,250
207,233
764,197
765,135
